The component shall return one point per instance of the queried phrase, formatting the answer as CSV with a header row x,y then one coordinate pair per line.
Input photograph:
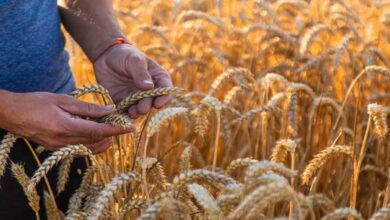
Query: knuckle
x,y
137,58
57,128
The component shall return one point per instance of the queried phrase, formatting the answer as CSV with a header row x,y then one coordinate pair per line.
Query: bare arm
x,y
123,69
91,23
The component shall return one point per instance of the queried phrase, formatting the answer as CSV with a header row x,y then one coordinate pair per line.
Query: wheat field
x,y
280,111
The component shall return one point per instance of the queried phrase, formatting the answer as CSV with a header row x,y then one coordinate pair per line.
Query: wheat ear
x,y
254,197
108,193
192,15
22,178
52,212
5,148
158,120
57,156
205,200
277,195
321,158
238,163
379,116
118,120
342,213
369,69
91,89
210,177
382,214
185,159
281,149
224,77
63,173
133,204
292,115
152,211
135,97
264,166
309,36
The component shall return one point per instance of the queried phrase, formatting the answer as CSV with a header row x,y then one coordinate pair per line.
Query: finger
x,y
162,79
85,109
136,66
100,146
133,112
144,106
160,101
94,131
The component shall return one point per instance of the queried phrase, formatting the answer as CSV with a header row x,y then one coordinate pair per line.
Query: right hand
x,y
48,119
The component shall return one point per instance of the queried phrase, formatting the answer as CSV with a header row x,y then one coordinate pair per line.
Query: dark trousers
x,y
13,202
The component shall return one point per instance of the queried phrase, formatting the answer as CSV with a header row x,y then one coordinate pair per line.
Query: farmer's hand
x,y
48,119
123,70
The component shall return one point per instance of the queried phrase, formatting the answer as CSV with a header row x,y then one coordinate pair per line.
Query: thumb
x,y
137,67
85,109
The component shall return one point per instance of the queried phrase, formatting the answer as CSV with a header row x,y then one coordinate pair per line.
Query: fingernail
x,y
148,82
109,107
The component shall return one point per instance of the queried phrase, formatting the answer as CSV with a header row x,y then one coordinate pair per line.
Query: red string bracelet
x,y
119,40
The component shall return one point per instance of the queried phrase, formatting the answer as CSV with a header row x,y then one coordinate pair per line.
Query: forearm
x,y
91,23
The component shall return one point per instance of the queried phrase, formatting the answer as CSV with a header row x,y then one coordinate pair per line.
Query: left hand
x,y
123,70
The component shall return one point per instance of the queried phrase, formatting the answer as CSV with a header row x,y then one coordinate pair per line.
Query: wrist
x,y
7,100
106,45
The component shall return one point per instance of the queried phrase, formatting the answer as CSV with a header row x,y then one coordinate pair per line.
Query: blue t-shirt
x,y
32,55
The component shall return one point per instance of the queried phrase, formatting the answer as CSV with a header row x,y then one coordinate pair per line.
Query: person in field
x,y
35,77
